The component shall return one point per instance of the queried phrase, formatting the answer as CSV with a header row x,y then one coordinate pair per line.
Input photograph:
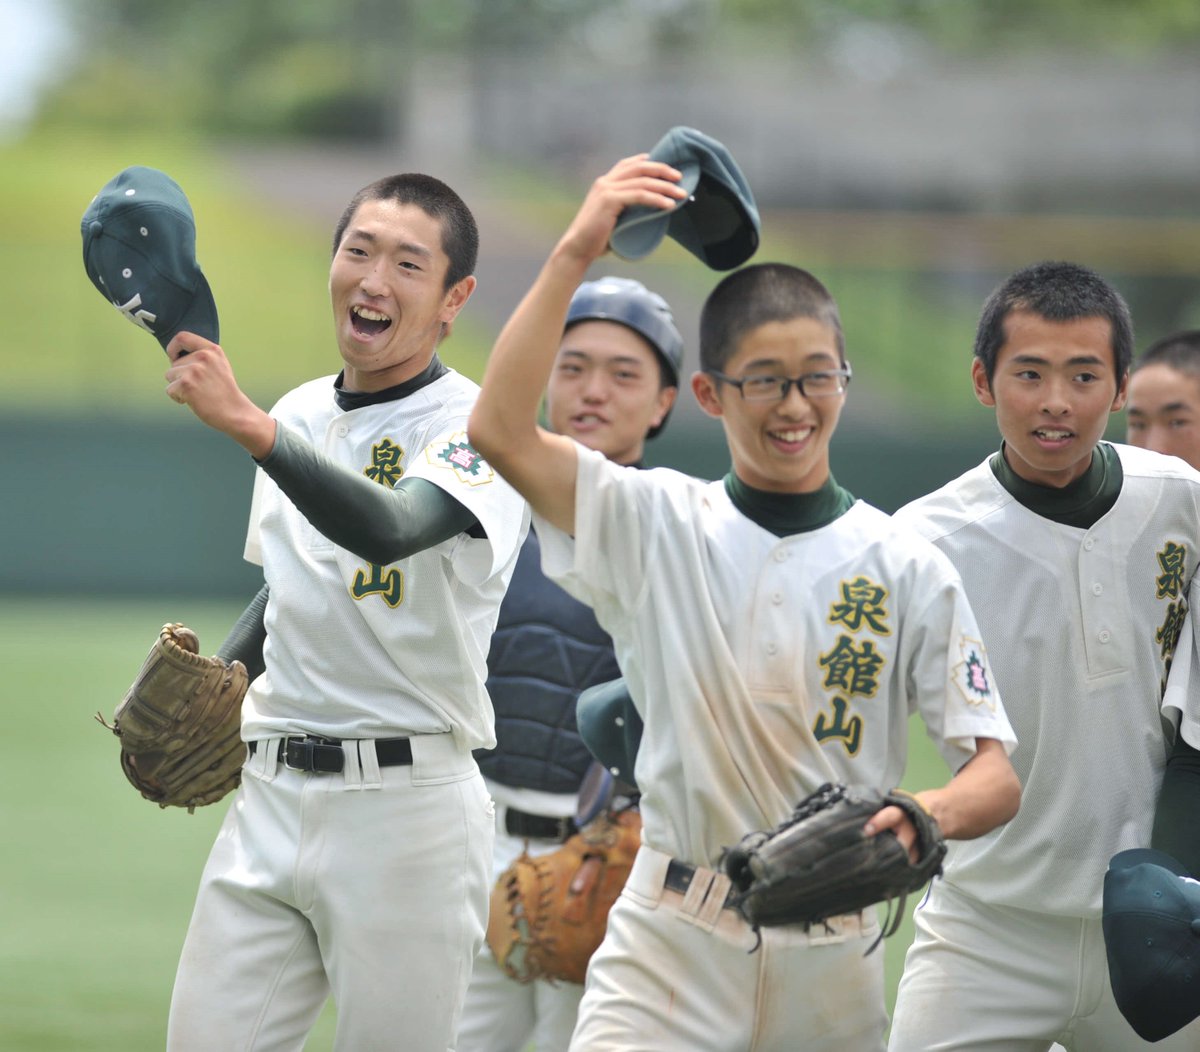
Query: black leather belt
x,y
538,827
679,878
325,755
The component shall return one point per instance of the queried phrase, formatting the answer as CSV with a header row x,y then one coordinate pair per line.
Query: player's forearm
x,y
504,419
377,524
1175,829
503,425
254,430
985,793
247,637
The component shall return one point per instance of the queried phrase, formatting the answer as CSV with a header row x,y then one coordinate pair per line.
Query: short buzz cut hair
x,y
757,295
460,235
1056,292
1179,351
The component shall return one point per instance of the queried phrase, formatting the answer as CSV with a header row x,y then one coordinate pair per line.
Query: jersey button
x,y
342,431
1104,635
781,555
777,598
1089,544
771,648
1097,588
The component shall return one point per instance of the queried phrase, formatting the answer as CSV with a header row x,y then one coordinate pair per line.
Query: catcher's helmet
x,y
631,304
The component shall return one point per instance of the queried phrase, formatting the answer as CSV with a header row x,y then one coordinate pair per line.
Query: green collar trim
x,y
1083,503
784,514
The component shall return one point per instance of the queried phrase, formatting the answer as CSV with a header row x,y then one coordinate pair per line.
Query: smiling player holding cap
x,y
355,858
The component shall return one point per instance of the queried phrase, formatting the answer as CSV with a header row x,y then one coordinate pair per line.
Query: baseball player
x,y
775,634
1163,413
1079,557
355,859
613,384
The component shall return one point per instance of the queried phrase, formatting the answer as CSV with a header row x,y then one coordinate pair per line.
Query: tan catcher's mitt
x,y
548,914
180,723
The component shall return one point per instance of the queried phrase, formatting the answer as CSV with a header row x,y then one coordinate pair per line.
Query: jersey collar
x,y
786,513
1082,503
348,400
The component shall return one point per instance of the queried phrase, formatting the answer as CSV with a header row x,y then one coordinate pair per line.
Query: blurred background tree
x,y
910,153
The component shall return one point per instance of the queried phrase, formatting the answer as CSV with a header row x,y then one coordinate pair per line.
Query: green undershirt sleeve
x,y
245,640
1175,828
378,524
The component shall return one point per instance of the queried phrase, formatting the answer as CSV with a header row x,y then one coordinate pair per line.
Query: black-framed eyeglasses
x,y
822,384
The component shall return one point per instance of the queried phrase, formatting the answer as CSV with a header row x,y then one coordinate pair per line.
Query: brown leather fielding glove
x,y
548,914
180,723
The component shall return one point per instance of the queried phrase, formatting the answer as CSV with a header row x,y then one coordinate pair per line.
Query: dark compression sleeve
x,y
1175,828
378,524
245,640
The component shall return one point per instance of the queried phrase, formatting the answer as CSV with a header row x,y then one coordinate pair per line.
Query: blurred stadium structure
x,y
908,174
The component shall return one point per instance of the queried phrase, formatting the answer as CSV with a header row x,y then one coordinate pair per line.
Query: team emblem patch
x,y
457,454
972,676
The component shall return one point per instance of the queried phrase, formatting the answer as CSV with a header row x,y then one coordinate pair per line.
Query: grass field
x,y
96,884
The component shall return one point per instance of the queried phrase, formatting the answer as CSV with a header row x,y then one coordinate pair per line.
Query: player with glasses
x,y
821,384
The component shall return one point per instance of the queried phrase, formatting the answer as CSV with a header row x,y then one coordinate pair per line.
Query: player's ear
x,y
983,386
704,387
1122,393
665,400
456,298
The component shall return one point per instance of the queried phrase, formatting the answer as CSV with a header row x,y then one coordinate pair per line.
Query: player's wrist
x,y
255,431
572,257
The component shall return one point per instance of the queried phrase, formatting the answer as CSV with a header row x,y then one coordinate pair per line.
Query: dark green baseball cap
x,y
718,222
1151,924
610,727
139,249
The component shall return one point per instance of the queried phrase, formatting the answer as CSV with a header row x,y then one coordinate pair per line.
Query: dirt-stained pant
x,y
676,974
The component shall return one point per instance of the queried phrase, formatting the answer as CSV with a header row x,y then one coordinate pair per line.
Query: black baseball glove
x,y
819,863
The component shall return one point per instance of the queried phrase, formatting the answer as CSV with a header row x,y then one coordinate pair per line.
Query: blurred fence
x,y
107,506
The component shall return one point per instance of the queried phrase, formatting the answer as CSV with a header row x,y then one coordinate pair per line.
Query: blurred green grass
x,y
96,884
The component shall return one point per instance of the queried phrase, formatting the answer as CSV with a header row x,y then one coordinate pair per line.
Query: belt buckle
x,y
309,743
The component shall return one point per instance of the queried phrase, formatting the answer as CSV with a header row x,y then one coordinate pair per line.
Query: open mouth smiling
x,y
368,322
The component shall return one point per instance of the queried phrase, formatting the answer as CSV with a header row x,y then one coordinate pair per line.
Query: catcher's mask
x,y
630,303
139,249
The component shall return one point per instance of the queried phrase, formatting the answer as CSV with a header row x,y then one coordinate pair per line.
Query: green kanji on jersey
x,y
839,728
1170,584
387,584
385,463
854,669
850,667
861,604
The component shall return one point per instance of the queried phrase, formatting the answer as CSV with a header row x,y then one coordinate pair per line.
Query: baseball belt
x,y
679,878
538,827
325,755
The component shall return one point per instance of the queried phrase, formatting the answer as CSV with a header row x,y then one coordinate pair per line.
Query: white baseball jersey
x,y
764,667
1082,625
356,650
